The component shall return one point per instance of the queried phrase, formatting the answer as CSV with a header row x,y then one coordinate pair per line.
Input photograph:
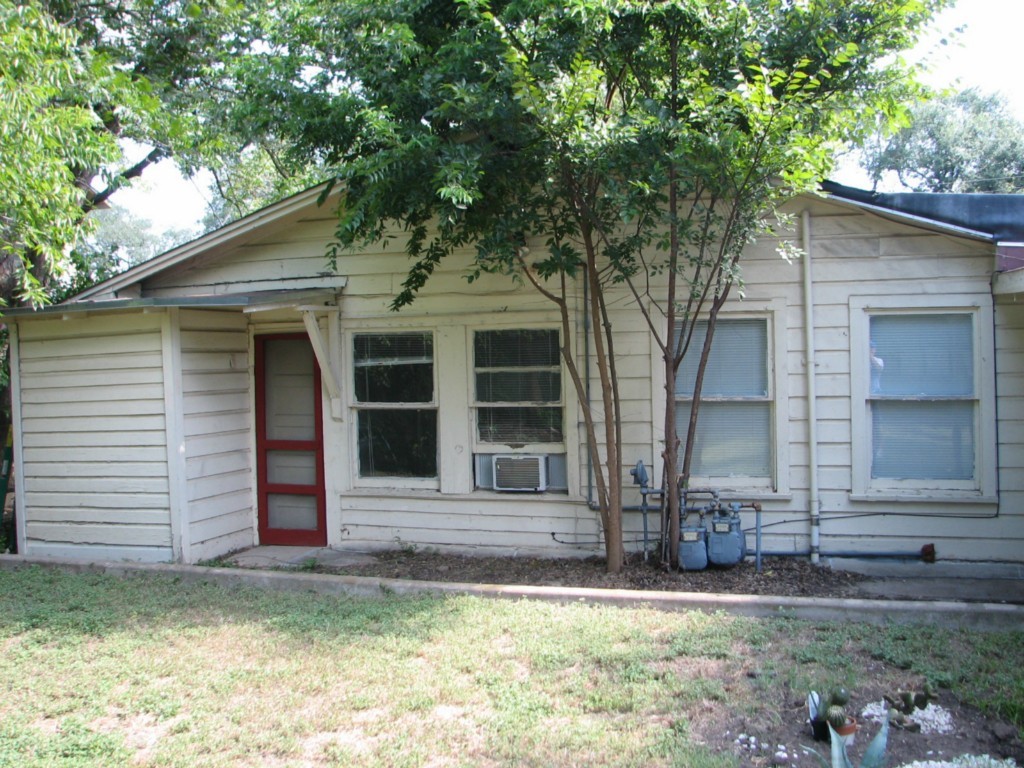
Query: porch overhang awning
x,y
310,308
320,299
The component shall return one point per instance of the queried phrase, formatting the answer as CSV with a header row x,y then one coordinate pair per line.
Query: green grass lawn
x,y
105,671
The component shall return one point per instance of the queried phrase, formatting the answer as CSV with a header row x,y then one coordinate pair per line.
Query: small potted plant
x,y
828,712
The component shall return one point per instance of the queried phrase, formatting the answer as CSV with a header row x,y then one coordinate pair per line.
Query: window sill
x,y
368,485
754,494
527,497
739,492
929,497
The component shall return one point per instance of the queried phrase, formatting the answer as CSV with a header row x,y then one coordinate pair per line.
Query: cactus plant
x,y
903,704
831,712
836,715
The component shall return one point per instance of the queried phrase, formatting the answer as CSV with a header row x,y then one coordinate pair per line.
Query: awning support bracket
x,y
323,357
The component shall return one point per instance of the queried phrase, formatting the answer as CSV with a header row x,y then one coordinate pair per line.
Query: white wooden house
x,y
234,392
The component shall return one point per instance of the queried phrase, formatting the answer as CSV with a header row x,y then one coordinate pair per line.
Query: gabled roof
x,y
237,232
1000,217
991,218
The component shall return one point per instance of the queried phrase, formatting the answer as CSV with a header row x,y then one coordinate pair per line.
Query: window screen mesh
x,y
516,349
398,443
923,355
913,440
518,369
738,362
922,396
383,348
734,435
518,386
733,439
394,368
519,425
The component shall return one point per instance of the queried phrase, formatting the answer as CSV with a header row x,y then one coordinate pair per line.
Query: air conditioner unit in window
x,y
519,472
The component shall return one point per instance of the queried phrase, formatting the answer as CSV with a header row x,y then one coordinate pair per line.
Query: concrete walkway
x,y
948,612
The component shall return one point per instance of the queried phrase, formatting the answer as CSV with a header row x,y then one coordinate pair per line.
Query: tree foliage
x,y
635,147
961,142
45,139
77,78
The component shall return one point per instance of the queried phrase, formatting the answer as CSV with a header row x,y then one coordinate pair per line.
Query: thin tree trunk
x,y
612,502
670,456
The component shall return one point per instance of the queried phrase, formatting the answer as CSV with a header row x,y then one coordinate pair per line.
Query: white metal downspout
x,y
18,454
813,502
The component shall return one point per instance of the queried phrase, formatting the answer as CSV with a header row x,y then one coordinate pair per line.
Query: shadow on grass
x,y
64,604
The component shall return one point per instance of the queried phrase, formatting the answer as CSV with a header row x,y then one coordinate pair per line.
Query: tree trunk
x,y
612,503
671,460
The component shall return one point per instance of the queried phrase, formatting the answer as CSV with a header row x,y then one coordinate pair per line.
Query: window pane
x,y
378,348
922,440
516,349
518,367
291,511
289,391
394,368
922,355
737,364
291,467
518,426
519,387
733,439
399,443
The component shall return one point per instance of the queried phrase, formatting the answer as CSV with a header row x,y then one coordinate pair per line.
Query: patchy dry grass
x,y
102,671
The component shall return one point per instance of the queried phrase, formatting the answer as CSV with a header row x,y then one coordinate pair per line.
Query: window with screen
x,y
518,384
734,421
396,404
922,398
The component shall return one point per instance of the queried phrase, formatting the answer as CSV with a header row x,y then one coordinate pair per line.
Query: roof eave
x,y
218,238
915,219
306,298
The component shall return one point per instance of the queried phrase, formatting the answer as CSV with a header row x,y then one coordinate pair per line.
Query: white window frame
x,y
777,484
355,407
983,485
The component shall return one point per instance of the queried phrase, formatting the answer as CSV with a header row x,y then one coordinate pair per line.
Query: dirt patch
x,y
783,737
783,576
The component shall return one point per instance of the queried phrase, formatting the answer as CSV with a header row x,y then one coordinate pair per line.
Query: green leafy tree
x,y
962,142
630,148
78,78
45,139
261,172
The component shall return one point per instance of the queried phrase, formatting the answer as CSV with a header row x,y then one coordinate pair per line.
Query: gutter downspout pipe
x,y
591,503
813,501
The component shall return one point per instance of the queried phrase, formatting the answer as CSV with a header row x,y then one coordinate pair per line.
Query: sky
x,y
984,55
987,53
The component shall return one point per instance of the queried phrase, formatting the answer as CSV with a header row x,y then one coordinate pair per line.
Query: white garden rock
x,y
932,719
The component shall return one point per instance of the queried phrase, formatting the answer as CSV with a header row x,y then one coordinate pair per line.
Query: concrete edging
x,y
948,613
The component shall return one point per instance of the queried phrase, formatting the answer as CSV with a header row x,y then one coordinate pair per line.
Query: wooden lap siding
x,y
217,429
857,255
95,444
1006,541
484,523
854,254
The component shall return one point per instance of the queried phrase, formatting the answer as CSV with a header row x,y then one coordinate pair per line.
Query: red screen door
x,y
289,443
